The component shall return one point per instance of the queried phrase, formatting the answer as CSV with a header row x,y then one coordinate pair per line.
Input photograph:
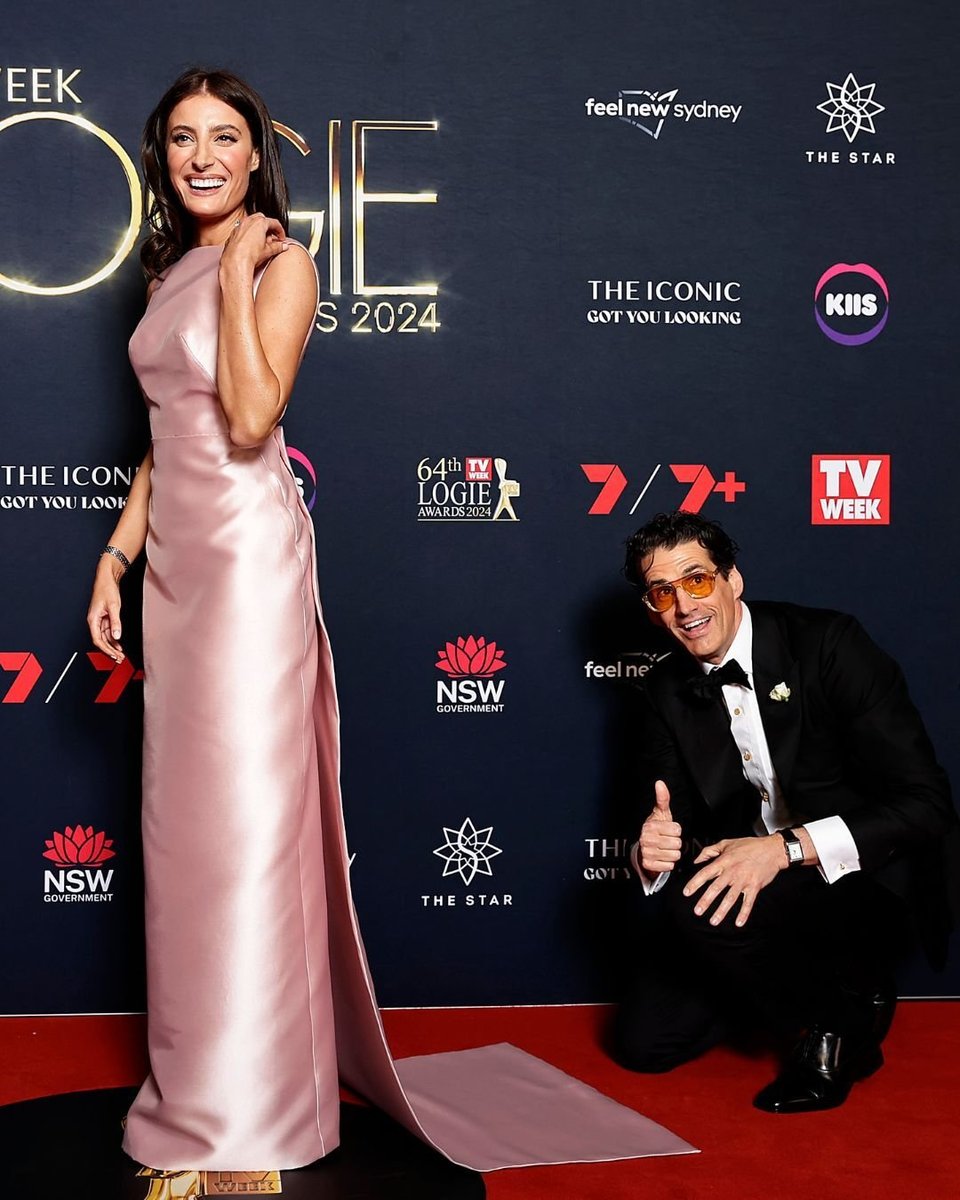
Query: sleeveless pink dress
x,y
259,994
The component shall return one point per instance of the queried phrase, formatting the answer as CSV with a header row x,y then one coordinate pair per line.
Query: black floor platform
x,y
68,1148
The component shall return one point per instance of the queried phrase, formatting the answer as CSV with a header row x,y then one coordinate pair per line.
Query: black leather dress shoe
x,y
821,1071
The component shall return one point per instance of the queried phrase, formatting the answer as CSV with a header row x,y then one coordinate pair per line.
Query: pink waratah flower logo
x,y
78,847
471,656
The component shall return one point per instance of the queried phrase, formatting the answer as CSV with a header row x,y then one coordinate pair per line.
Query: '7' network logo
x,y
850,489
700,480
26,671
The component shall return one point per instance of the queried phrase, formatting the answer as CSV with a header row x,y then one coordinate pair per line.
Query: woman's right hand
x,y
103,616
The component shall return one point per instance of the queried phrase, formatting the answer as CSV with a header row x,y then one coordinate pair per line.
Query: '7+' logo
x,y
702,485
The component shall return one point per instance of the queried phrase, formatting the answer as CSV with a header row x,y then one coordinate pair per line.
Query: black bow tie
x,y
707,687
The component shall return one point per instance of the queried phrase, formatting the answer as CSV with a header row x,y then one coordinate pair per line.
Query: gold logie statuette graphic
x,y
190,1185
509,490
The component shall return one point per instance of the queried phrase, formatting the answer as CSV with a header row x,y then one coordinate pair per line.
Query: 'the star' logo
x,y
851,108
467,851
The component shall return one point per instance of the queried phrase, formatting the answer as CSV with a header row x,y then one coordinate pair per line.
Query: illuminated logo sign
x,y
649,111
76,851
24,133
700,480
850,489
851,303
470,664
473,488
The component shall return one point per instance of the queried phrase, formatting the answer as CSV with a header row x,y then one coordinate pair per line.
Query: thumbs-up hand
x,y
660,836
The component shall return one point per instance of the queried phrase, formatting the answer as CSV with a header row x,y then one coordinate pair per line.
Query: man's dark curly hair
x,y
667,530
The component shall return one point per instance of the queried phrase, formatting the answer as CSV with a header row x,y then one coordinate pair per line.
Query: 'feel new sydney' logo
x,y
851,303
648,111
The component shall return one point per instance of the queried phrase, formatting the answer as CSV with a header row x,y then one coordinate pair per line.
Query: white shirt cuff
x,y
835,847
650,883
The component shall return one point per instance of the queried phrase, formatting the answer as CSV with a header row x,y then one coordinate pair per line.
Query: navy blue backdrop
x,y
612,281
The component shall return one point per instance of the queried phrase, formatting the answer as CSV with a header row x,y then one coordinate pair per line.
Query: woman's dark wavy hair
x,y
665,531
171,230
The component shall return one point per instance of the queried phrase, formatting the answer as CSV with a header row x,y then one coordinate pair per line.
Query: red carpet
x,y
896,1137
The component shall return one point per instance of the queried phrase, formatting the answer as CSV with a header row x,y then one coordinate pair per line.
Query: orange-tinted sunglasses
x,y
662,596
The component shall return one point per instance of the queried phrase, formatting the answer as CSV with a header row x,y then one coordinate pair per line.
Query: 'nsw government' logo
x,y
76,852
470,664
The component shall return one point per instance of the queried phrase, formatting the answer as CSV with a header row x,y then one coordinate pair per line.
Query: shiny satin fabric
x,y
259,994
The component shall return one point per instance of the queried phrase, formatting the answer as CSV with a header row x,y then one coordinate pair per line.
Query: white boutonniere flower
x,y
780,692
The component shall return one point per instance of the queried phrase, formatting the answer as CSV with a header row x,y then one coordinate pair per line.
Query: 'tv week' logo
x,y
850,489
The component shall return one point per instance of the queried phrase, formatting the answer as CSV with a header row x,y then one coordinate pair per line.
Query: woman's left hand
x,y
254,240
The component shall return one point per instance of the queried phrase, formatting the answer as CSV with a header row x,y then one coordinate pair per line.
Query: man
x,y
798,827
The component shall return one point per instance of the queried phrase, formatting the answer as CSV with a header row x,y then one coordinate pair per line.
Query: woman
x,y
258,988
238,681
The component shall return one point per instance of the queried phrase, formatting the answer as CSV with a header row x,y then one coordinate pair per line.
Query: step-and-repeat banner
x,y
581,263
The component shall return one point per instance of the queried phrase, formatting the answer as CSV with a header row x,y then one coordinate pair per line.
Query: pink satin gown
x,y
259,994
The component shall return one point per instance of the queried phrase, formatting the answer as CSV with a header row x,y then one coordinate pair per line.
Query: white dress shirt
x,y
832,839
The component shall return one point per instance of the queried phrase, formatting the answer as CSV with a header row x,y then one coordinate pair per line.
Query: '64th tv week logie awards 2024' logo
x,y
464,489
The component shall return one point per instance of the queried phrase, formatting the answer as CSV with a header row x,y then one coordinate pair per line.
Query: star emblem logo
x,y
467,851
850,108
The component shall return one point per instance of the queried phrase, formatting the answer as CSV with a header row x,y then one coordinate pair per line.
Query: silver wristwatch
x,y
793,847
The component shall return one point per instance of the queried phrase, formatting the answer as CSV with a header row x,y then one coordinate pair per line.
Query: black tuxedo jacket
x,y
848,741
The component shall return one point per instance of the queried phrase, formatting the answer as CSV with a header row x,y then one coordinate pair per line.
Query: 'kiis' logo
x,y
75,851
851,303
700,479
850,489
470,664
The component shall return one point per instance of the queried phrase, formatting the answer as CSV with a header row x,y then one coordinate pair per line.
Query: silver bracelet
x,y
118,555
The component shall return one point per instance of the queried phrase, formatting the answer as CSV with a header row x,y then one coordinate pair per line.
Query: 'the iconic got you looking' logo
x,y
470,664
850,489
644,302
851,303
76,852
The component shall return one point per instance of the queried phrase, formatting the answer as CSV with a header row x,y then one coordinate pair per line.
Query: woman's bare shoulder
x,y
290,273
